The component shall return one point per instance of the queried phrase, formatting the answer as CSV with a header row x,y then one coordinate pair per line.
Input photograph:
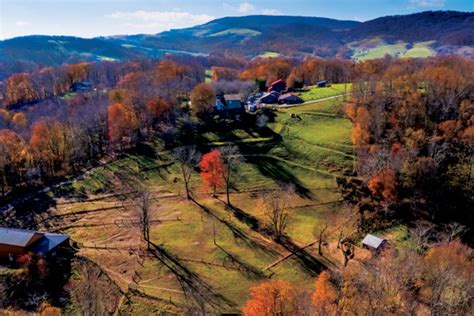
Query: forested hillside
x,y
417,35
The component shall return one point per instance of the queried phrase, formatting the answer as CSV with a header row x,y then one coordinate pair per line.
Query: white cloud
x,y
249,8
427,3
159,20
270,12
246,7
21,23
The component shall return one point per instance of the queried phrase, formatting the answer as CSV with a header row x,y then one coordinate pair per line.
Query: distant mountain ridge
x,y
414,35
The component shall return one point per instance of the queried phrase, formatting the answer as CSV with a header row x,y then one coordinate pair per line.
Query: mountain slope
x,y
420,34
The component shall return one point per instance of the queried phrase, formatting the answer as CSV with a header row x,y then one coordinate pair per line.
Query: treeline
x,y
145,102
414,137
399,282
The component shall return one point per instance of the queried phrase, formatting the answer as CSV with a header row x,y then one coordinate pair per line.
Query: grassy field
x,y
236,31
208,76
269,55
223,251
315,93
399,49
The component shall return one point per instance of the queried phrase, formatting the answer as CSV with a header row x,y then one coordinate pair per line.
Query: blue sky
x,y
90,18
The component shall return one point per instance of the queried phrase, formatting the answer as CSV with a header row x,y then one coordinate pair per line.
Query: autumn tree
x,y
14,158
188,158
202,99
122,124
271,298
212,168
325,296
50,145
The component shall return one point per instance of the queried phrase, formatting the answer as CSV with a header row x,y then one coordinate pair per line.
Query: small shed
x,y
289,98
277,86
373,243
322,84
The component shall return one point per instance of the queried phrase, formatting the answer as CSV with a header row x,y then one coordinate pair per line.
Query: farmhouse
x,y
289,98
277,86
229,104
373,243
16,242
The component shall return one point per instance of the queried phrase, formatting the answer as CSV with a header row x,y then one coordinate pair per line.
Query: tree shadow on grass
x,y
238,233
192,284
280,173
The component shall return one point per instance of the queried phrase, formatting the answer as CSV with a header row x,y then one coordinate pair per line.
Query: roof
x,y
16,237
372,241
278,81
288,95
49,242
321,82
232,97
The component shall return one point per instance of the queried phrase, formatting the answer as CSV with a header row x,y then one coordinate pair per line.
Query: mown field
x,y
205,251
399,49
315,93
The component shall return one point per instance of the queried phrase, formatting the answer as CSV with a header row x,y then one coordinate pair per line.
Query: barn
x,y
270,98
16,242
289,98
277,86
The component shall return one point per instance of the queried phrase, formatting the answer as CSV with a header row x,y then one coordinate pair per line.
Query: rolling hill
x,y
416,35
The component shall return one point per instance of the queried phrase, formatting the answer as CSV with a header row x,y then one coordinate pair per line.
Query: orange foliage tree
x,y
212,168
271,298
202,99
122,124
324,297
383,184
50,146
14,157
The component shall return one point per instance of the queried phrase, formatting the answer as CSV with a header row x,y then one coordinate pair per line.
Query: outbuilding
x,y
322,84
373,243
15,242
270,98
277,86
289,98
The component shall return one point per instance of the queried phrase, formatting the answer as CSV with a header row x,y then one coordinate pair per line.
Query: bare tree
x,y
143,206
348,251
188,157
276,205
231,158
319,232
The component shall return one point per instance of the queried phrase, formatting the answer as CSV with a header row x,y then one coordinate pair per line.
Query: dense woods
x,y
413,142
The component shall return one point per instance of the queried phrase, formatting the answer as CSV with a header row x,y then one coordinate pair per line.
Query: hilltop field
x,y
206,250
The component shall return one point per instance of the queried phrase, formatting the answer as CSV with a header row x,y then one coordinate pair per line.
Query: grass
x,y
236,31
269,55
398,49
315,93
208,78
308,154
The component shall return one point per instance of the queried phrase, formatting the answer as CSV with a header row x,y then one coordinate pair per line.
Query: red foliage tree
x,y
212,168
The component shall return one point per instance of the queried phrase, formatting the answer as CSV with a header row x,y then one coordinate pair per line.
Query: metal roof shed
x,y
373,242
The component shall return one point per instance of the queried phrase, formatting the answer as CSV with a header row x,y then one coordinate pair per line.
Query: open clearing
x,y
205,251
315,93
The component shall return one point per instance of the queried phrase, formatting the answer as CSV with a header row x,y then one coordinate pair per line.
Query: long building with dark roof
x,y
16,242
